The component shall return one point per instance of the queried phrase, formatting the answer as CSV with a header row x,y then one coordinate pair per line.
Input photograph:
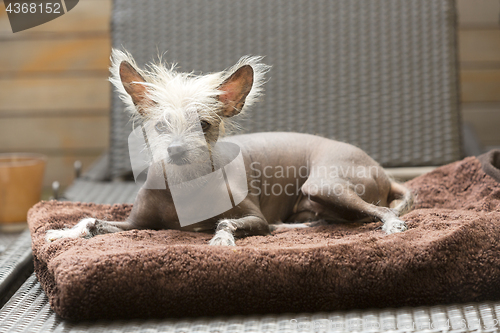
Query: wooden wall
x,y
479,54
54,94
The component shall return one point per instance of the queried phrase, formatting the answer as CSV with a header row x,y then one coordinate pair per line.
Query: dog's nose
x,y
176,150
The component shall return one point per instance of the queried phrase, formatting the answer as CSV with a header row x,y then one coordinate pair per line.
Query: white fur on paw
x,y
80,230
394,225
223,237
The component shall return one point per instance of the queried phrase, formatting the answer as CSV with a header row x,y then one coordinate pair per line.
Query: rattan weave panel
x,y
29,311
380,74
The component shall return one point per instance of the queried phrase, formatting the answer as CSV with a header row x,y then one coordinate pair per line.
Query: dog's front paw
x,y
80,230
394,225
223,237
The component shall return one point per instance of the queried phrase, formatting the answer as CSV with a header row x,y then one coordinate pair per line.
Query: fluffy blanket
x,y
451,253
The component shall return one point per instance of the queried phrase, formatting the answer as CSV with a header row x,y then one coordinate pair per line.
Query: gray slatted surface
x,y
29,311
6,239
380,74
15,264
102,192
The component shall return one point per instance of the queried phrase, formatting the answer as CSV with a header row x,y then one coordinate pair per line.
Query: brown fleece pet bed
x,y
451,253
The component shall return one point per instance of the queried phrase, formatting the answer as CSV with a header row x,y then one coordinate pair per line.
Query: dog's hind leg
x,y
350,206
89,227
402,197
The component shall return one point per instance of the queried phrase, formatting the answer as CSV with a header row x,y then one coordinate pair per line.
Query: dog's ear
x,y
129,83
235,89
132,82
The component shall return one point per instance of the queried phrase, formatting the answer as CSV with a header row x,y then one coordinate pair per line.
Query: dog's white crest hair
x,y
173,90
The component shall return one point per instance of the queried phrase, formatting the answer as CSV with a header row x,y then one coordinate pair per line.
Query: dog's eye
x,y
161,127
205,125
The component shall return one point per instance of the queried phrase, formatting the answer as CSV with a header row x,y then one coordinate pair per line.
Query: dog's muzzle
x,y
177,153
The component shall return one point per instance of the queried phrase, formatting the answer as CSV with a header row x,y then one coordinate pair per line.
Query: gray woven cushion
x,y
378,74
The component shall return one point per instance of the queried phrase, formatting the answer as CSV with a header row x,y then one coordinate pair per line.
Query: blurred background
x,y
55,97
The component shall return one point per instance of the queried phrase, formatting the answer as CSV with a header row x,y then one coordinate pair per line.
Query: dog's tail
x,y
404,196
